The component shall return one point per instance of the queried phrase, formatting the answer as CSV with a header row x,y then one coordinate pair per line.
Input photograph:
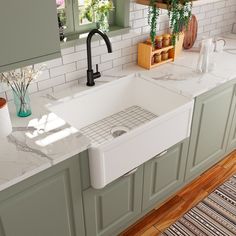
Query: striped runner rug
x,y
214,215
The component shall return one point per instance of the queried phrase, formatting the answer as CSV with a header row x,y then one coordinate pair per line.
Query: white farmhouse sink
x,y
168,122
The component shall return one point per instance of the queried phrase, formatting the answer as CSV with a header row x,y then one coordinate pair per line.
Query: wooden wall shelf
x,y
146,53
160,4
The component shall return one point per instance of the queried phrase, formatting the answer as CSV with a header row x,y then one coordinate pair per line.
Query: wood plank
x,y
162,62
176,213
185,199
151,232
147,3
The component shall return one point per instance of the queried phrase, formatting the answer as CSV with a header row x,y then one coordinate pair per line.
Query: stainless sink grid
x,y
132,117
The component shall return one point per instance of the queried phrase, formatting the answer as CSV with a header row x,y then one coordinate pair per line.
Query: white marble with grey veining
x,y
181,76
43,139
36,143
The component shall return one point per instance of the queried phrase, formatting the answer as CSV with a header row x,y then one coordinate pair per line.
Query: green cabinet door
x,y
48,204
29,32
210,129
232,134
164,174
110,209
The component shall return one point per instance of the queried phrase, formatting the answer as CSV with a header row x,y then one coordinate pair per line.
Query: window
x,y
76,17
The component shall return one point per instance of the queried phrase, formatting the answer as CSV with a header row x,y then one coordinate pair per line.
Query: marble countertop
x,y
181,76
43,139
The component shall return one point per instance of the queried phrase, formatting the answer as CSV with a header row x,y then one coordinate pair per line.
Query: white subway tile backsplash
x,y
215,32
62,87
62,69
139,14
65,51
111,56
99,50
33,88
214,17
4,87
45,75
209,27
123,60
71,57
83,47
3,95
140,22
219,5
132,33
81,64
50,83
212,13
205,8
53,63
129,50
105,66
74,75
201,16
121,44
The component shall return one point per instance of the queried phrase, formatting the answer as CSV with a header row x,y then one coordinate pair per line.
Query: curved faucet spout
x,y
90,75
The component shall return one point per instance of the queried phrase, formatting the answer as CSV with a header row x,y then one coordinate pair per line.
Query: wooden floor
x,y
158,220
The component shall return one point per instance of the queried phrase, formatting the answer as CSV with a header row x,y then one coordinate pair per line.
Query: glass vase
x,y
22,103
103,22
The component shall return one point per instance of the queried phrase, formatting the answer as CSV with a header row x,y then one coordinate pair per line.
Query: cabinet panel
x,y
107,210
29,31
164,174
209,130
232,135
47,207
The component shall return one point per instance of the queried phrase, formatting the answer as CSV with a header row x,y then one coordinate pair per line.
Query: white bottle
x,y
5,121
205,56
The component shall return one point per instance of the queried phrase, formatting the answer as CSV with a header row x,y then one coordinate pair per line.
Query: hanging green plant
x,y
153,14
180,13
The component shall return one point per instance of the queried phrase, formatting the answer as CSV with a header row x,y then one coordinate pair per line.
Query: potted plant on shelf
x,y
153,14
98,11
179,12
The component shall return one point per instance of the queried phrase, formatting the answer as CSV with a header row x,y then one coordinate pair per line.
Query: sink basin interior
x,y
128,122
117,124
95,104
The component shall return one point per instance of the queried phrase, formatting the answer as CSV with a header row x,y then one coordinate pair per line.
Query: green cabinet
x,y
109,210
210,129
164,174
29,33
46,204
232,135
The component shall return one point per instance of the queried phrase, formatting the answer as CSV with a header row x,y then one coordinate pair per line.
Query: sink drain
x,y
118,131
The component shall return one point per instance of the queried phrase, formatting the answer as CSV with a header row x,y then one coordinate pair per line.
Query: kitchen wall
x,y
215,17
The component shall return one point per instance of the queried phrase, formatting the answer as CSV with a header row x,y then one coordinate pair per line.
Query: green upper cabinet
x,y
232,135
109,210
29,33
210,129
164,174
47,204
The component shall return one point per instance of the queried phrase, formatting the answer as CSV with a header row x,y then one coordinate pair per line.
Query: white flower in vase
x,y
19,80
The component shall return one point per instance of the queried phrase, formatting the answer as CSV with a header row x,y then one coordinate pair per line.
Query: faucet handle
x,y
97,74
